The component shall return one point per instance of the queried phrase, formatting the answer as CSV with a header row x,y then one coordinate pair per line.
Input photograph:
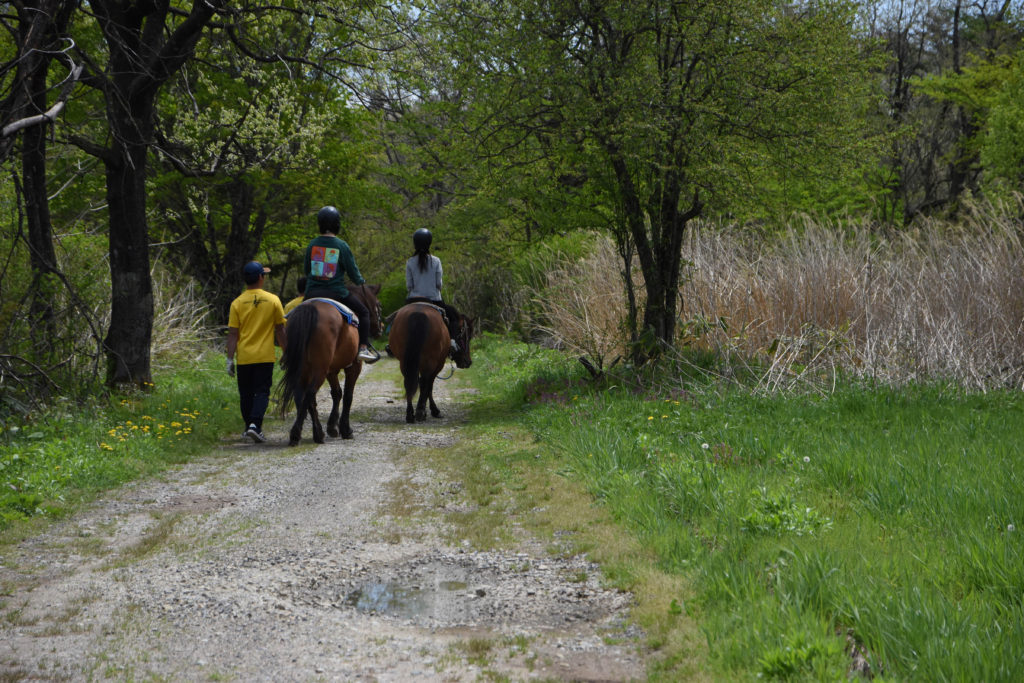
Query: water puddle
x,y
407,601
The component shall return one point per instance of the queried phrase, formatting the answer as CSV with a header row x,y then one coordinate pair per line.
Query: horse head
x,y
464,326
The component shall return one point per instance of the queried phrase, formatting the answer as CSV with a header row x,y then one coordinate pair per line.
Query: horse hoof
x,y
435,413
332,432
293,442
347,435
410,419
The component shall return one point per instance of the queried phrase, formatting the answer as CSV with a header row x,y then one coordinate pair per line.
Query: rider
x,y
327,261
423,280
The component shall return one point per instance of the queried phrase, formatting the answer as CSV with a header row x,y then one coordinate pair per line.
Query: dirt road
x,y
265,563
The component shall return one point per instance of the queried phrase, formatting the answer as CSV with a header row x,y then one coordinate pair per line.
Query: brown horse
x,y
421,342
320,344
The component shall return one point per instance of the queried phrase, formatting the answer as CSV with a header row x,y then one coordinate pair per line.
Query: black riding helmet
x,y
329,220
421,239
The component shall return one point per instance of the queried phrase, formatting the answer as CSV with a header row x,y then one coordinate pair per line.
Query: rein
x,y
451,370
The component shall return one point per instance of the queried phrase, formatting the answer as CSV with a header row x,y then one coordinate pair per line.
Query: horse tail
x,y
418,327
302,322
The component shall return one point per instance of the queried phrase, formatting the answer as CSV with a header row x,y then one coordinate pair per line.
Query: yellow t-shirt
x,y
255,313
293,303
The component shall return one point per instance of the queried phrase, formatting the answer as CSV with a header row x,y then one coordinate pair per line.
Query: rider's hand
x,y
231,367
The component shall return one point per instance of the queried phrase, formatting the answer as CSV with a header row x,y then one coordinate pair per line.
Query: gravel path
x,y
264,563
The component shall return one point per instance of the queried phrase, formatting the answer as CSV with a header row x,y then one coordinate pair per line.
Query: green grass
x,y
804,525
51,462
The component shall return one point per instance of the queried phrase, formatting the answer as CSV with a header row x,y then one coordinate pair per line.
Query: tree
x,y
669,109
146,42
40,38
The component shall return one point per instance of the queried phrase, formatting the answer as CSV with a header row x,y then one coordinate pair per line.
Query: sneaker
x,y
255,434
368,355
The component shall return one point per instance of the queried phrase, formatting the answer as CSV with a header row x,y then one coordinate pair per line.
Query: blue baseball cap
x,y
253,270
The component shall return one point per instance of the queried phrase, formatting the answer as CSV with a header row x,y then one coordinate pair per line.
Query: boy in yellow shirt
x,y
255,320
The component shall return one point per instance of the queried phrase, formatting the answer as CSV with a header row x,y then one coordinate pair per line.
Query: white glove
x,y
231,367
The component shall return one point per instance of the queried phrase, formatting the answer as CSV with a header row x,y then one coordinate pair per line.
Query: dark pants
x,y
254,382
450,312
357,307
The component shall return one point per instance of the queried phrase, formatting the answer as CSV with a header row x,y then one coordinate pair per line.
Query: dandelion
x,y
807,458
664,416
105,446
1010,527
175,424
705,446
650,417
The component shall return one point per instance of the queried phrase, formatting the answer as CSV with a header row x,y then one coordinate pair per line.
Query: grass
x,y
792,529
51,462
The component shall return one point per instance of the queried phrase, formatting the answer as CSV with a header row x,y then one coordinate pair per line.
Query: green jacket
x,y
328,259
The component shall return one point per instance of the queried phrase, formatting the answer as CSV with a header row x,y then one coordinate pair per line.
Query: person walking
x,y
423,279
255,321
327,261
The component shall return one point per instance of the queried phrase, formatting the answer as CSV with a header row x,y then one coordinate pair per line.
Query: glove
x,y
231,367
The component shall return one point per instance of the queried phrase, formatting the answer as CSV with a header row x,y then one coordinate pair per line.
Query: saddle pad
x,y
346,312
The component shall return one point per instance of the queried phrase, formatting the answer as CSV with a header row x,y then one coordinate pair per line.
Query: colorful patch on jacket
x,y
323,262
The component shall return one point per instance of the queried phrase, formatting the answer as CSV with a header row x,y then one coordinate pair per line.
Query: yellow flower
x,y
650,417
175,424
105,446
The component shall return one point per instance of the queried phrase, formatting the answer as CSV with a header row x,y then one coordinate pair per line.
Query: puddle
x,y
402,600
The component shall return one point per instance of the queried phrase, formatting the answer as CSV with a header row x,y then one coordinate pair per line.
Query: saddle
x,y
346,312
427,302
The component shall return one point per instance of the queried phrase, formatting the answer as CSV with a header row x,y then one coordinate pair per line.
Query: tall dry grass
x,y
943,302
583,305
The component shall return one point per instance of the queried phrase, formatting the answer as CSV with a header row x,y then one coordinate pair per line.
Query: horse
x,y
321,343
421,341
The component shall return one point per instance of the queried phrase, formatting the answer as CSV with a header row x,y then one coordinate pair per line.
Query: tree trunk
x,y
131,311
42,256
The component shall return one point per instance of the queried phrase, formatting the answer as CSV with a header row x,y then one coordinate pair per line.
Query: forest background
x,y
784,239
826,181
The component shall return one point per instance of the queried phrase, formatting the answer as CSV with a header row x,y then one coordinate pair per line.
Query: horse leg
x,y
421,403
301,408
318,429
351,375
410,392
434,410
336,394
